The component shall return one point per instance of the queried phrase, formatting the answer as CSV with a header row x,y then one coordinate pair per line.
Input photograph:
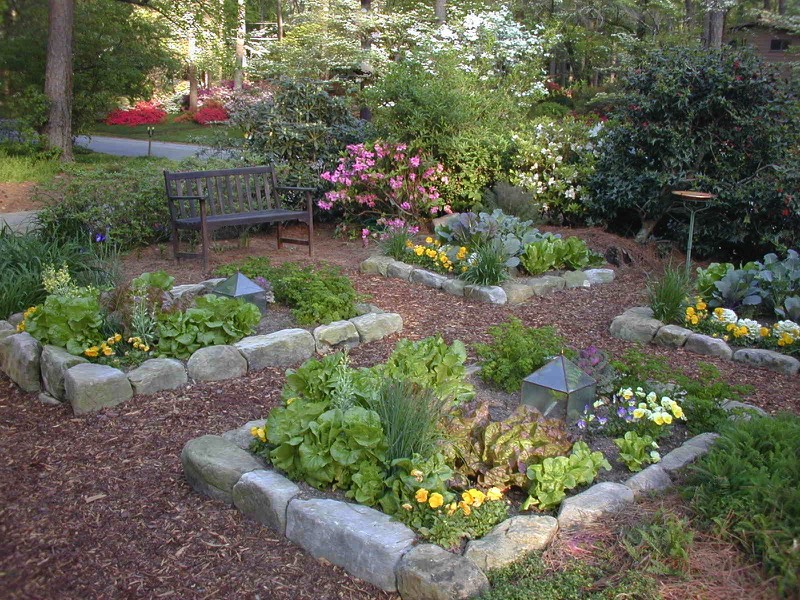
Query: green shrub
x,y
212,321
315,294
488,266
516,351
661,545
558,253
637,451
549,109
747,488
667,295
73,322
16,168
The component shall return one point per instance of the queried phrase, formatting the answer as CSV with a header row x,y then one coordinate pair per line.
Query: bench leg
x,y
280,235
310,236
206,239
175,243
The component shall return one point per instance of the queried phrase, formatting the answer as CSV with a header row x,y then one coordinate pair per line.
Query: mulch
x,y
97,506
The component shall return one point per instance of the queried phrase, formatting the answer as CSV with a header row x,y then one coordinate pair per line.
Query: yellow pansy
x,y
658,419
429,240
407,506
667,419
421,495
764,331
435,500
108,351
638,413
417,474
477,497
451,508
701,305
465,507
494,493
677,411
466,498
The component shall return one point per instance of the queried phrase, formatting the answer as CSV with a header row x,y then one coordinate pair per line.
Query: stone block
x,y
545,285
650,479
428,572
48,400
20,359
339,335
264,496
768,359
188,290
364,308
681,456
279,349
599,276
708,346
743,410
216,363
636,325
7,329
241,436
376,326
213,465
599,500
672,336
54,363
427,278
576,279
210,284
376,265
517,293
16,319
454,287
158,374
703,440
90,387
511,539
399,270
366,543
491,294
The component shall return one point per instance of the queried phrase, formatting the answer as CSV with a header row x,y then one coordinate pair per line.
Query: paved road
x,y
127,147
19,222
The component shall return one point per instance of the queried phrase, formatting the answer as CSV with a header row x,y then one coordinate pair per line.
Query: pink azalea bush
x,y
144,113
382,178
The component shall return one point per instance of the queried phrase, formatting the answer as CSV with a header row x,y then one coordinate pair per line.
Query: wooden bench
x,y
207,200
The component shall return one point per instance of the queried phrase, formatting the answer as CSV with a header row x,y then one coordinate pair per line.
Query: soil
x,y
18,197
97,506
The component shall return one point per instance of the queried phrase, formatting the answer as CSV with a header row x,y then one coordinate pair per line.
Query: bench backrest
x,y
228,191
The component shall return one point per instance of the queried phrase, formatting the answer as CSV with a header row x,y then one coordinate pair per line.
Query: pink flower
x,y
396,183
324,205
327,176
448,210
414,161
405,206
429,173
412,176
445,180
434,210
364,233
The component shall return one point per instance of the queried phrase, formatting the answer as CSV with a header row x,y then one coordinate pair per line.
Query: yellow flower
x,y
409,244
638,413
695,320
466,498
677,411
667,419
21,326
146,348
117,337
430,253
421,495
418,250
407,506
465,507
451,508
690,310
92,351
108,351
701,305
718,311
262,434
764,331
417,474
658,419
254,431
435,500
429,240
477,497
494,493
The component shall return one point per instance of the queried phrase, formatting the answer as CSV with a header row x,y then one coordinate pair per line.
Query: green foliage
x,y
477,229
410,417
430,363
316,380
488,265
73,322
516,351
315,294
667,294
558,253
693,119
708,277
15,168
553,476
412,473
212,321
637,451
498,453
160,280
747,488
660,546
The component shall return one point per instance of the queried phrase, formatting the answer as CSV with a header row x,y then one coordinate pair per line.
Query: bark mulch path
x,y
97,507
18,197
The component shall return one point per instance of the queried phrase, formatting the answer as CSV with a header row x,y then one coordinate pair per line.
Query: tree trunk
x,y
58,77
440,9
688,13
767,4
716,28
192,68
366,44
279,18
241,33
781,7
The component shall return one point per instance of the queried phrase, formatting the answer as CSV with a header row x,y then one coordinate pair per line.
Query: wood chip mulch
x,y
97,506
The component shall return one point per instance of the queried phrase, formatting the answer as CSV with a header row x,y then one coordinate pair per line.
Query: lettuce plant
x,y
637,451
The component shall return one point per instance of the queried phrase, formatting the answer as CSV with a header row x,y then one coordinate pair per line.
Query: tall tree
x,y
241,33
440,10
58,77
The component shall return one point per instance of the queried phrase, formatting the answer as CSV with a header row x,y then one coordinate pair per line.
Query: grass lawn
x,y
186,132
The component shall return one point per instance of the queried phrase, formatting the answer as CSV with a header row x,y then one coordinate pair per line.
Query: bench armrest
x,y
290,188
186,197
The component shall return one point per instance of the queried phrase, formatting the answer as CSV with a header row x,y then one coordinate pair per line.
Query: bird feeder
x,y
559,390
239,286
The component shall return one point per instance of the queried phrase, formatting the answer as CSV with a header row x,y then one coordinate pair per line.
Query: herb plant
x,y
637,451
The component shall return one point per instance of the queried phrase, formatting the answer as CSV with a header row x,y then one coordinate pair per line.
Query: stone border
x,y
515,291
88,387
638,324
369,545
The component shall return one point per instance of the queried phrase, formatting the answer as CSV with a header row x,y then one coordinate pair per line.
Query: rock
x,y
742,410
517,293
576,279
544,285
363,308
399,270
48,400
216,363
264,496
210,284
511,539
703,441
55,362
336,336
672,336
7,329
20,359
708,346
443,220
189,290
363,541
213,465
16,319
279,349
599,500
158,374
427,278
376,326
428,572
768,359
680,457
493,294
89,387
650,479
376,265
635,325
454,287
598,276
241,436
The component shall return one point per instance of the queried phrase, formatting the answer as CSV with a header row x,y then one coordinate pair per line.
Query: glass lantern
x,y
559,390
239,286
